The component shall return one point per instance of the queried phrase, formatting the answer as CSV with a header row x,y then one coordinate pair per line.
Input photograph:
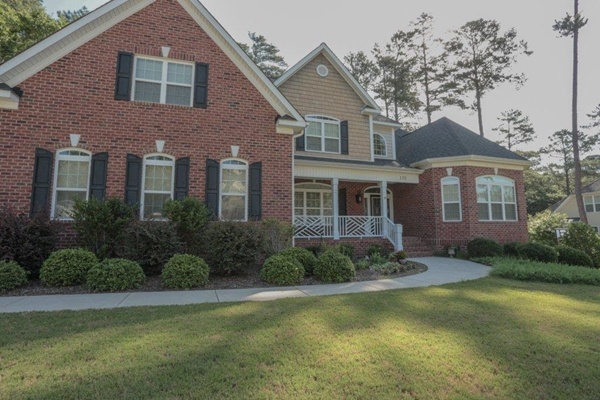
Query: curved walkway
x,y
441,271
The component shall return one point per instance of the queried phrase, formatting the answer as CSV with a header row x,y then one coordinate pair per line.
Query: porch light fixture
x,y
359,198
74,139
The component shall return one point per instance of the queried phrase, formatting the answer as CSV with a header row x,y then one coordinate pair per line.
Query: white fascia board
x,y
9,100
393,124
352,172
290,127
472,161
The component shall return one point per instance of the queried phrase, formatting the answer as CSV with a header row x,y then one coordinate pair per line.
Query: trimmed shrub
x,y
526,270
318,249
233,247
303,256
346,249
12,275
67,267
101,225
190,217
152,244
571,256
376,258
362,264
397,256
512,249
538,252
185,271
282,270
582,237
114,274
376,249
484,247
277,235
542,227
27,240
391,267
333,266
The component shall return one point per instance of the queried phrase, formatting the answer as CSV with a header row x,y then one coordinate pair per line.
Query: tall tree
x,y
67,16
430,59
482,58
515,128
265,55
569,26
363,69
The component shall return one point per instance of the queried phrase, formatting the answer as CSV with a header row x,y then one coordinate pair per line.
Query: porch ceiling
x,y
312,169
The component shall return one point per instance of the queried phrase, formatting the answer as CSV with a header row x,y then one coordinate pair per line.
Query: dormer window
x,y
379,145
322,134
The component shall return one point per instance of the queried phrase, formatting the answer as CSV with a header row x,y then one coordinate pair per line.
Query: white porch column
x,y
384,207
335,183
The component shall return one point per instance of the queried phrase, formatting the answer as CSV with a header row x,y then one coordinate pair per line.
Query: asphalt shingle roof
x,y
446,138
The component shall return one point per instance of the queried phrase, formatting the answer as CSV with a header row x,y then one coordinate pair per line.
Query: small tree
x,y
515,128
542,227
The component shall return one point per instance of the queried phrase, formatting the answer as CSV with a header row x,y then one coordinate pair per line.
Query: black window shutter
x,y
98,176
342,210
182,178
300,143
40,191
124,76
255,201
133,179
212,186
344,136
201,86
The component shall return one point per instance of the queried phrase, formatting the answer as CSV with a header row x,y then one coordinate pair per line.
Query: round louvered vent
x,y
322,70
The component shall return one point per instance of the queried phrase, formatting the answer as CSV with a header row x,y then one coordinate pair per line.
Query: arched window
x,y
379,145
496,199
322,134
157,184
451,198
234,189
313,199
71,180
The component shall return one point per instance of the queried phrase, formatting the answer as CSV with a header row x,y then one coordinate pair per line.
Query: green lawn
x,y
491,338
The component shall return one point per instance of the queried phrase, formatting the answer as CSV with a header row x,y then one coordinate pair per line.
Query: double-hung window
x,y
592,203
158,180
496,199
71,181
322,134
313,200
165,82
451,199
234,189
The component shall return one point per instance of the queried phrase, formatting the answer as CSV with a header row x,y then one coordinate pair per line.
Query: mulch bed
x,y
249,280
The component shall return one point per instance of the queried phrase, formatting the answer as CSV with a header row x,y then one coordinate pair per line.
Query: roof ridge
x,y
453,133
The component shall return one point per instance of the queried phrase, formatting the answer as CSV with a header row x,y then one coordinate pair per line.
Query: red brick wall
x,y
419,209
76,95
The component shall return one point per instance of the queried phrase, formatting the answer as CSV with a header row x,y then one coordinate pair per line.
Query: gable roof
x,y
72,36
445,138
340,68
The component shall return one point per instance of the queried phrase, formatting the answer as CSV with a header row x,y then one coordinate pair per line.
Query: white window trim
x,y
325,189
147,162
221,193
454,181
593,203
323,119
55,189
163,82
385,145
490,202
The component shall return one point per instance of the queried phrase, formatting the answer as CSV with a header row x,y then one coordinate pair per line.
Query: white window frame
x,y
224,165
323,120
593,201
148,161
490,202
451,181
321,189
385,146
163,82
56,189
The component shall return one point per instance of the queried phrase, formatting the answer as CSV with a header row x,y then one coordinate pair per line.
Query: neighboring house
x,y
150,100
591,200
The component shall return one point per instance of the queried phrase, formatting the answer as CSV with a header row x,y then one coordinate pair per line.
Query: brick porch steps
x,y
415,247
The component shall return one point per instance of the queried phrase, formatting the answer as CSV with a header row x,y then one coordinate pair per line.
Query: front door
x,y
374,206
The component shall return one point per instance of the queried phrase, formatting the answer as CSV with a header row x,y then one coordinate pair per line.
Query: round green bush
x,y
512,249
184,271
571,256
538,252
303,256
115,274
67,267
12,275
582,236
483,247
333,266
282,270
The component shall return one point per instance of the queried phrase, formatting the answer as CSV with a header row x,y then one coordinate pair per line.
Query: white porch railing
x,y
349,227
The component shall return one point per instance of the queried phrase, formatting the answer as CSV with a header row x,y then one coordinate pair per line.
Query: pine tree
x,y
515,128
265,55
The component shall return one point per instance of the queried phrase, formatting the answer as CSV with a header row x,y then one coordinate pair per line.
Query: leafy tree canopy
x,y
265,55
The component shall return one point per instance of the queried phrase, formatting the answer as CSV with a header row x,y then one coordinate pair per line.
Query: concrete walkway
x,y
441,271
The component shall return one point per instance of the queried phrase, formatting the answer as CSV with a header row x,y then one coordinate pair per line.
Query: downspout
x,y
294,137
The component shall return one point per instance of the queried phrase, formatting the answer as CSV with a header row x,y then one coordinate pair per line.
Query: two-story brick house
x,y
150,100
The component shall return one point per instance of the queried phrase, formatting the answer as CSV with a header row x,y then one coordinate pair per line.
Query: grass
x,y
491,338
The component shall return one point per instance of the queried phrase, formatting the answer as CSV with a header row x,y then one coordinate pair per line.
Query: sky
x,y
298,27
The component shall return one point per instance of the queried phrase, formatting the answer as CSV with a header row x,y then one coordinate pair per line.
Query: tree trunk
x,y
479,113
575,126
426,83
